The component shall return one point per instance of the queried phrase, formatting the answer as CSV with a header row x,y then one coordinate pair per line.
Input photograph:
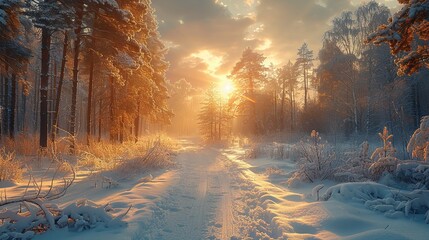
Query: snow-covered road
x,y
216,194
198,203
208,198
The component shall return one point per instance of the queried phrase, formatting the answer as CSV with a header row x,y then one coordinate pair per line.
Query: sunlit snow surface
x,y
217,194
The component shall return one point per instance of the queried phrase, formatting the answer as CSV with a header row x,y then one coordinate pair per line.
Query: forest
x,y
347,91
194,119
96,68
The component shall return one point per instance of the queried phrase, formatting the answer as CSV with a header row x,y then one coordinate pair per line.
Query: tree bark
x,y
111,110
90,86
282,108
54,129
90,89
137,124
99,120
79,16
292,110
12,107
305,84
44,80
1,102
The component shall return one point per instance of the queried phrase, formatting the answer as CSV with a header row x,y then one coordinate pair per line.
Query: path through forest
x,y
215,193
207,198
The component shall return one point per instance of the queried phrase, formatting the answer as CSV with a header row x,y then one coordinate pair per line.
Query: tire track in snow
x,y
212,198
190,205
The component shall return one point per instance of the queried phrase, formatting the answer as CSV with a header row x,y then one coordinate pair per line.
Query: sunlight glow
x,y
226,88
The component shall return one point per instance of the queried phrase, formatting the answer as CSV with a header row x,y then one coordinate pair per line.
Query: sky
x,y
207,37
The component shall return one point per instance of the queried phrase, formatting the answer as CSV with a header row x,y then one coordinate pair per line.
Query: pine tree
x,y
50,16
288,78
248,75
305,62
14,55
207,116
407,28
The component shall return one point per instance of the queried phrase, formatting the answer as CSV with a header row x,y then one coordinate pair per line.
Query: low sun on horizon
x,y
226,88
214,119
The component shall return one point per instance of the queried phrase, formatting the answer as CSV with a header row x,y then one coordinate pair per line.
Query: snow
x,y
3,16
216,193
419,142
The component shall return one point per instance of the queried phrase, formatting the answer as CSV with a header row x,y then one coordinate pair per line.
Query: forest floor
x,y
216,193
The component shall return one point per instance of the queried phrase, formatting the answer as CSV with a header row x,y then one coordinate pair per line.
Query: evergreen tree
x,y
305,62
288,79
248,74
406,29
207,116
13,55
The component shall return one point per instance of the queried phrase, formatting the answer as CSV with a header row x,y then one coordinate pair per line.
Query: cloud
x,y
195,25
288,24
225,28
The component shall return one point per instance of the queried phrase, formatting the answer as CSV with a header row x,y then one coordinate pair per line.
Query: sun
x,y
226,88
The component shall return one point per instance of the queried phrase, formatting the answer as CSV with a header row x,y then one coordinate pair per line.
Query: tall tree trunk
x,y
282,107
252,106
99,120
111,110
291,96
121,130
90,89
3,86
79,16
7,103
416,104
12,107
355,112
44,80
54,129
24,110
305,85
36,107
137,124
220,120
1,101
369,97
90,85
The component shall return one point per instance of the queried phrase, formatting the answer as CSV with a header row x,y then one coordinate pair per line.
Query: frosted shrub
x,y
383,157
419,142
157,157
316,160
414,173
280,151
255,151
357,165
10,169
23,145
392,202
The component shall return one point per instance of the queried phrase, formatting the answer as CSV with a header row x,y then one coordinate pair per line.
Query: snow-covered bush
x,y
279,151
383,157
157,157
21,217
78,216
107,156
415,173
256,150
392,202
356,168
419,142
10,168
317,160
